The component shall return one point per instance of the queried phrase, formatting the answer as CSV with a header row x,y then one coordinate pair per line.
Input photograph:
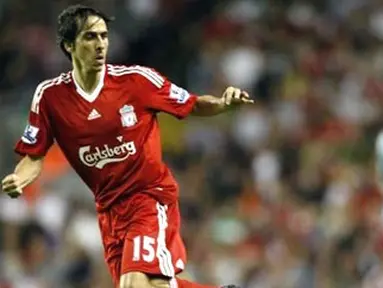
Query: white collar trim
x,y
91,97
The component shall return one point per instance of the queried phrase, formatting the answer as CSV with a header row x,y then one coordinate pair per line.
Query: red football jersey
x,y
110,137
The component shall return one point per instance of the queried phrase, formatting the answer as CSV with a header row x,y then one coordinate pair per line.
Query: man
x,y
104,119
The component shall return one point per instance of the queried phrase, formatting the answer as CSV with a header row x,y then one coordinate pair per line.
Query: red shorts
x,y
140,234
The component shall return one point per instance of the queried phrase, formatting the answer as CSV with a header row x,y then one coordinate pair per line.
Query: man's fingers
x,y
245,97
244,94
247,101
9,179
10,187
237,94
14,194
229,95
8,183
6,180
13,191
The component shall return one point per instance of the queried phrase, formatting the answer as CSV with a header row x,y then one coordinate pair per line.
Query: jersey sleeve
x,y
37,137
159,94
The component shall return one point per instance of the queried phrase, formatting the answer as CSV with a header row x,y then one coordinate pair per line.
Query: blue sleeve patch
x,y
30,134
179,94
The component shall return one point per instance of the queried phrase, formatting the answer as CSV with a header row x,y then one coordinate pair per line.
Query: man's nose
x,y
100,43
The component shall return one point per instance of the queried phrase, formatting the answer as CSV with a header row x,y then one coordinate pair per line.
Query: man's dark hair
x,y
71,21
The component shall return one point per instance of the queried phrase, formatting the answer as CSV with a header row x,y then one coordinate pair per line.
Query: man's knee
x,y
141,280
159,283
135,280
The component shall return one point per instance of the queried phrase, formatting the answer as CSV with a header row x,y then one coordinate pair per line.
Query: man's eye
x,y
89,36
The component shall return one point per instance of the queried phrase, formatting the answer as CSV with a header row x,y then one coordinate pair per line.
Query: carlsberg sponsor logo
x,y
100,156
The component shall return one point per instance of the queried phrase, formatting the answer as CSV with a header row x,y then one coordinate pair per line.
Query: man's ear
x,y
68,47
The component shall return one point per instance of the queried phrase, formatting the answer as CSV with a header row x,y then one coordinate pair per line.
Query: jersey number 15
x,y
143,247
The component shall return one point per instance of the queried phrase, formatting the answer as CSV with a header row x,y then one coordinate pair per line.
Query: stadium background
x,y
280,194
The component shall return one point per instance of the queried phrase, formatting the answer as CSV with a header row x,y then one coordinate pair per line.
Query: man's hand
x,y
207,105
11,185
234,96
26,171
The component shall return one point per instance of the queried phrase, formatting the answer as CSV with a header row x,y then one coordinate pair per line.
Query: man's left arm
x,y
208,105
158,94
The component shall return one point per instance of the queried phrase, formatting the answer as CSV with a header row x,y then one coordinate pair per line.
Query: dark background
x,y
280,194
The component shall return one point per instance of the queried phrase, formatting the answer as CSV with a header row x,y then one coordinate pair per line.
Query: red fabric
x,y
141,235
112,142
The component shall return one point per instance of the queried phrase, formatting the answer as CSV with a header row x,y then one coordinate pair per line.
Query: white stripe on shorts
x,y
173,283
162,253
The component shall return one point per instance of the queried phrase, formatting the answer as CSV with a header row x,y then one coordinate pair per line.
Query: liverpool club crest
x,y
128,117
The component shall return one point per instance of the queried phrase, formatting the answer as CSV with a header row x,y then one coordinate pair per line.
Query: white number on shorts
x,y
146,251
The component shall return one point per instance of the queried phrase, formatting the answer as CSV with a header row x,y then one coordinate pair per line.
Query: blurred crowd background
x,y
277,195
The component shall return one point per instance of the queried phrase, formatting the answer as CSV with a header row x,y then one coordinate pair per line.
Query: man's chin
x,y
98,66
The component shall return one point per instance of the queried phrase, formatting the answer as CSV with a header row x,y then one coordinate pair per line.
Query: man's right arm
x,y
33,145
26,171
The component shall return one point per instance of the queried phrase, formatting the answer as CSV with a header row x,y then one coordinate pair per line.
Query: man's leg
x,y
113,247
153,246
140,280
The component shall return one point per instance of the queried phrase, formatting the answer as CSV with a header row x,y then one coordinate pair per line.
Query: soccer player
x,y
104,118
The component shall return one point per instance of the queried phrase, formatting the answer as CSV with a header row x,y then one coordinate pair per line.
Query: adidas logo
x,y
93,115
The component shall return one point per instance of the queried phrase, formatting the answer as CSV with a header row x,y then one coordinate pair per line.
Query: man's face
x,y
91,44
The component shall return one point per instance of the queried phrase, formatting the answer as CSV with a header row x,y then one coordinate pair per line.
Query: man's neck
x,y
87,80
